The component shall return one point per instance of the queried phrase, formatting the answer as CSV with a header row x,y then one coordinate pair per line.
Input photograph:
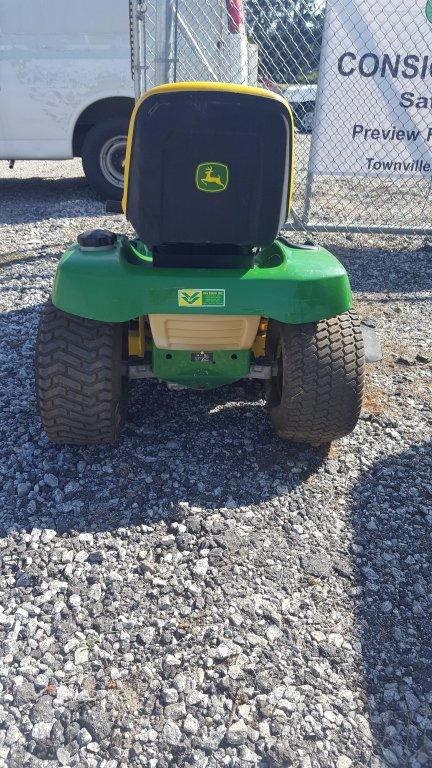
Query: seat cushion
x,y
209,166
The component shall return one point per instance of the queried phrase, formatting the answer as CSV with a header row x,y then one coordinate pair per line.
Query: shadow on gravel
x,y
35,199
392,528
19,257
377,270
178,450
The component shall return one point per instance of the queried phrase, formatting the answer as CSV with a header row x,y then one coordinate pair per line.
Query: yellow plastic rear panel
x,y
204,332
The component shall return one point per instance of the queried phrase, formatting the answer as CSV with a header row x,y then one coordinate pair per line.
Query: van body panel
x,y
58,57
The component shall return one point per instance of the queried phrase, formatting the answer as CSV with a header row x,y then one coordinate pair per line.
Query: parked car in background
x,y
302,100
65,74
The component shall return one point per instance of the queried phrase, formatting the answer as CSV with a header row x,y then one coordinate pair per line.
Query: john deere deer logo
x,y
212,177
428,10
208,178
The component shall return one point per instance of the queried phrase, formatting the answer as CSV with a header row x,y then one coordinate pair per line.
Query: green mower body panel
x,y
286,283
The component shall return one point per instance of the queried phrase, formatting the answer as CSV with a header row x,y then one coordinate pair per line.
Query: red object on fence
x,y
235,15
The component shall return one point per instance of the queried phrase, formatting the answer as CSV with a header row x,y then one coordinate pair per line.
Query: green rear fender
x,y
289,284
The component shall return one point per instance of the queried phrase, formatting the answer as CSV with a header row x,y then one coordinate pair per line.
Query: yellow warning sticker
x,y
189,297
201,297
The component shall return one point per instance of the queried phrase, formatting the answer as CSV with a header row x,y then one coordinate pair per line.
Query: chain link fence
x,y
329,59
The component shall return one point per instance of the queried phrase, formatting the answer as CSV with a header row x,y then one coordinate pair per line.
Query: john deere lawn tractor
x,y
207,292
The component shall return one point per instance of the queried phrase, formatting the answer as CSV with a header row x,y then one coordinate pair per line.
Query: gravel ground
x,y
203,594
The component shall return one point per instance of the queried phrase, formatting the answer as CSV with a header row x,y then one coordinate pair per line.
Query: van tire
x,y
103,151
316,396
80,390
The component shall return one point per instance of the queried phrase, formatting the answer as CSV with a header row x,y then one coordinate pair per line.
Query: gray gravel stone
x,y
316,565
42,710
25,693
210,738
191,724
343,761
63,756
175,711
171,733
237,733
96,722
51,480
41,730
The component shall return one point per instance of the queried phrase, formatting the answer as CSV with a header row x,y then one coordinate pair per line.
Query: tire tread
x,y
79,390
323,379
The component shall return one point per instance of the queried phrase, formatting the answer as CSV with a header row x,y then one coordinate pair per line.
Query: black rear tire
x,y
317,393
80,391
103,154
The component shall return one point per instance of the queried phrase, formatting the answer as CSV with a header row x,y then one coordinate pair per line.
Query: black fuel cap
x,y
97,238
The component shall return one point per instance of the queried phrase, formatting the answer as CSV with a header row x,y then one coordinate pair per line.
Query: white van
x,y
66,88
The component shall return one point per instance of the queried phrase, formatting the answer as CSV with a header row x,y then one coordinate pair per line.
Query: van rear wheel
x,y
316,395
103,156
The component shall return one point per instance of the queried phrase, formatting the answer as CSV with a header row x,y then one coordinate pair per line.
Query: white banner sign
x,y
374,102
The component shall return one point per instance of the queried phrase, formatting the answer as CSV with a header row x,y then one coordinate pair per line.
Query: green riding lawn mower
x,y
206,292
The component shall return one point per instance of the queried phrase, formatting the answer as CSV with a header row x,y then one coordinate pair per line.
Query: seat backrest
x,y
208,163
